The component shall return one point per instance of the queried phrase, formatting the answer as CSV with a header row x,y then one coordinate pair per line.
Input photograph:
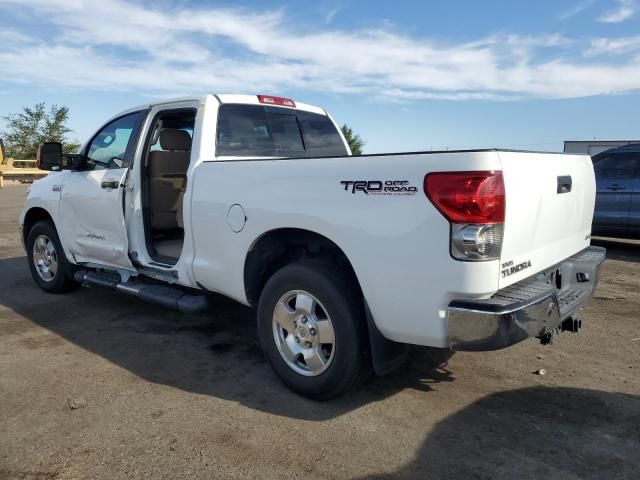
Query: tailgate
x,y
546,220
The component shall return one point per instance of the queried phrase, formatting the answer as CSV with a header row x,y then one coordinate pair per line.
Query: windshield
x,y
257,131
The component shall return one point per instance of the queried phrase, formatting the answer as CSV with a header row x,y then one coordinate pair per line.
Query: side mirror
x,y
49,156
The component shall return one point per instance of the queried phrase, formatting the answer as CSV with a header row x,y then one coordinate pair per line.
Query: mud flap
x,y
386,354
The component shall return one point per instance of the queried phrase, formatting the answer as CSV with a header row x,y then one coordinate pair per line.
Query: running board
x,y
163,295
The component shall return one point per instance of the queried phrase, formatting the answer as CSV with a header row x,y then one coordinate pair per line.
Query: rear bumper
x,y
530,308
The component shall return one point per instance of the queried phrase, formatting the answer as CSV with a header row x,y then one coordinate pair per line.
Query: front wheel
x,y
48,264
312,329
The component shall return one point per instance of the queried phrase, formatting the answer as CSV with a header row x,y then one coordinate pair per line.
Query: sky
x,y
406,76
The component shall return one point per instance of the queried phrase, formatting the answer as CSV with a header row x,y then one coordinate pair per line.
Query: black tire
x,y
62,281
351,364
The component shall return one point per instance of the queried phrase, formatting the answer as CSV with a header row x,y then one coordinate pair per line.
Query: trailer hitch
x,y
570,324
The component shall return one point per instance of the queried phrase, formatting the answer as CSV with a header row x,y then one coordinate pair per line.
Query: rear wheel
x,y
47,261
312,329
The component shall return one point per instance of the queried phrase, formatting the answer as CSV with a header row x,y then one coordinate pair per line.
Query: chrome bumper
x,y
531,308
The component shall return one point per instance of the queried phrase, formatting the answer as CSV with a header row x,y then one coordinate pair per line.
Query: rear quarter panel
x,y
398,245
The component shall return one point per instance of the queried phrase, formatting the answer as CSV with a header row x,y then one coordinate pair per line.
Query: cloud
x,y
177,49
401,96
575,10
614,46
625,10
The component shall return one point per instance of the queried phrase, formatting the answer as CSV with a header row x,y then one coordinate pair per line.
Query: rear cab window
x,y
266,131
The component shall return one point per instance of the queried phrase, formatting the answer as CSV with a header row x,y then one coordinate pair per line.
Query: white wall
x,y
593,147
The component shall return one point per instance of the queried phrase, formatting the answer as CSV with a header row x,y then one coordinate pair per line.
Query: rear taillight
x,y
467,197
474,204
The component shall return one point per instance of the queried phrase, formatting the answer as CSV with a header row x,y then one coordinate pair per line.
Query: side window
x,y
616,167
113,146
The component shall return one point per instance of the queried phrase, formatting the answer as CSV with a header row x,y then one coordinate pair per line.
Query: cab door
x,y
92,199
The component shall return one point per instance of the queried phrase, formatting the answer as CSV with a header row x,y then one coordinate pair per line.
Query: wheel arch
x,y
33,216
276,248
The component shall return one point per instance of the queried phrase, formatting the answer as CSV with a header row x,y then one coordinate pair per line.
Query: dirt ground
x,y
168,395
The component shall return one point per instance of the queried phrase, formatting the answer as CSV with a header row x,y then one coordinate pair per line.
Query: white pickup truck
x,y
347,259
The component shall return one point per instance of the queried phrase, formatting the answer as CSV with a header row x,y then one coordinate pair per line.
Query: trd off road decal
x,y
379,187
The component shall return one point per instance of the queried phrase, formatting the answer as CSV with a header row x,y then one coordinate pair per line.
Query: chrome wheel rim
x,y
303,333
45,258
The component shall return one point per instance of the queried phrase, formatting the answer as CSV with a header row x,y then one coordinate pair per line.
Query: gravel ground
x,y
166,395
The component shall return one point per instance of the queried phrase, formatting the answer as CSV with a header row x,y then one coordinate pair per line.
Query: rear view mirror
x,y
49,156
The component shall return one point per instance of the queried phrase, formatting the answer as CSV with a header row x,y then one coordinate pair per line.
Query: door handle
x,y
564,184
110,184
615,187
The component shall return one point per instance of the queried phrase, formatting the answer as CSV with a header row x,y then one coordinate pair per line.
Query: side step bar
x,y
163,295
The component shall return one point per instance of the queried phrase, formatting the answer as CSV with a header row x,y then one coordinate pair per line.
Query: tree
x,y
34,125
355,142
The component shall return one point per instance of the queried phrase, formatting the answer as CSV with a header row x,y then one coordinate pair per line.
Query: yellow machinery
x,y
22,174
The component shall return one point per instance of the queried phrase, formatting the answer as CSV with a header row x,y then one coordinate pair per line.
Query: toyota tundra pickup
x,y
346,259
